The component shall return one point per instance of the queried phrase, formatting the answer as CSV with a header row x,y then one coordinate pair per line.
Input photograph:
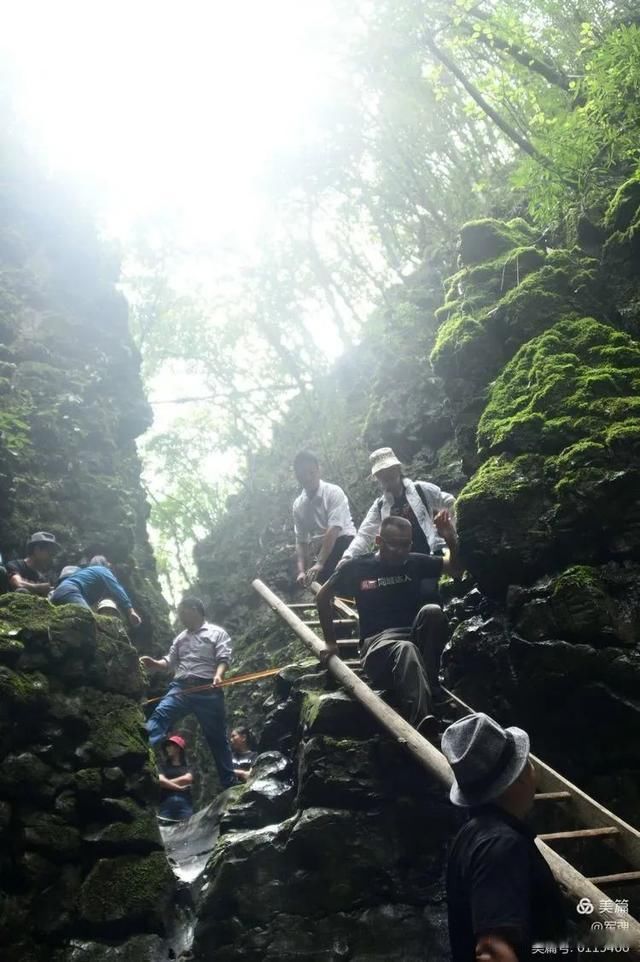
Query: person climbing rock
x,y
243,748
87,586
417,501
175,778
502,896
401,640
322,521
199,656
31,575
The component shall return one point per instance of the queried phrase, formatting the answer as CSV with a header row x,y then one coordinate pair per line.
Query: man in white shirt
x,y
322,522
198,657
417,501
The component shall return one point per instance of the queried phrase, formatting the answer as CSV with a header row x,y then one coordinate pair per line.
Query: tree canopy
x,y
437,112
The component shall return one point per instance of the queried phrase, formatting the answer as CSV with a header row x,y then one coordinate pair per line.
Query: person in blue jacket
x,y
86,586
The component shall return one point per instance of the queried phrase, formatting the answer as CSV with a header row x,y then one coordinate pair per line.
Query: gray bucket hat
x,y
486,758
42,537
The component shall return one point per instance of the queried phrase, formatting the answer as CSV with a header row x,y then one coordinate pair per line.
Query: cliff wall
x,y
83,869
83,872
72,402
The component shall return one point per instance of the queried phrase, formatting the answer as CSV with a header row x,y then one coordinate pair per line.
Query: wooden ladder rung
x,y
618,878
581,833
552,796
336,621
348,641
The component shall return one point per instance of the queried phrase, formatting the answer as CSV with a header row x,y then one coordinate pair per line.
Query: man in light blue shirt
x,y
198,657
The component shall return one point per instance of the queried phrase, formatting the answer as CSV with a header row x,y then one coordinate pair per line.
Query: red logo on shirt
x,y
369,584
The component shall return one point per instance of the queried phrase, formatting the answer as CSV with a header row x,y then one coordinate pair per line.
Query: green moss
x,y
87,781
137,831
493,278
502,479
116,666
310,708
580,602
580,578
125,888
50,834
29,614
21,690
116,729
561,389
561,431
505,302
10,647
624,210
484,240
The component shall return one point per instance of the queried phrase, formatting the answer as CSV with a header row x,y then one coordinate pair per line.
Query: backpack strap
x,y
423,497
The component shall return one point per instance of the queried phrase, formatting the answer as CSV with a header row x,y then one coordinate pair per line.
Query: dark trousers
x,y
208,707
68,594
339,548
406,661
4,581
176,806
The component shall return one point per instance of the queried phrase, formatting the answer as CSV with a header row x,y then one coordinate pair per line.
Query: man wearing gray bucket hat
x,y
31,575
502,896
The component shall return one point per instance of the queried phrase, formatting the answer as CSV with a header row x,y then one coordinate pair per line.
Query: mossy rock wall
x,y
561,437
80,851
71,397
539,352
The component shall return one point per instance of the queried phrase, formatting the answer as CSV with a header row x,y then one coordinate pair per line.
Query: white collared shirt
x,y
327,508
381,509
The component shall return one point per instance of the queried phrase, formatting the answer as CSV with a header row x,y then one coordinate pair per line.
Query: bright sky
x,y
169,111
164,106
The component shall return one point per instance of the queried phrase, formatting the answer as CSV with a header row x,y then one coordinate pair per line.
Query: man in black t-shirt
x,y
401,639
501,894
30,575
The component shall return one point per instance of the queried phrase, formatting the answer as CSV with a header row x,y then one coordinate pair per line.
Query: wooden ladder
x,y
594,822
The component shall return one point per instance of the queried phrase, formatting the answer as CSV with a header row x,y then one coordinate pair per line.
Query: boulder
x,y
126,894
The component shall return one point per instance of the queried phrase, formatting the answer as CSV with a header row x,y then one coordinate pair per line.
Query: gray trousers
x,y
406,661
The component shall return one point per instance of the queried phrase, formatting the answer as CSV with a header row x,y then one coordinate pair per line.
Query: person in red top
x,y
175,780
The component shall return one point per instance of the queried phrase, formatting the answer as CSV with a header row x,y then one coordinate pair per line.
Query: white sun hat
x,y
383,458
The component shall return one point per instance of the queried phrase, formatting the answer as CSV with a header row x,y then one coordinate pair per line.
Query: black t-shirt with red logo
x,y
387,595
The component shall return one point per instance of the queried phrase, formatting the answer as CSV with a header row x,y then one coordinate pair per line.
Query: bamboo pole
x,y
425,753
575,885
233,680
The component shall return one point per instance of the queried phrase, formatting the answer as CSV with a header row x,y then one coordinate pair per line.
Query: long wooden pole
x,y
234,680
576,886
425,753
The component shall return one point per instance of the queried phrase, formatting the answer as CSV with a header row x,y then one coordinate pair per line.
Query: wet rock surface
x,y
336,852
549,521
81,854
